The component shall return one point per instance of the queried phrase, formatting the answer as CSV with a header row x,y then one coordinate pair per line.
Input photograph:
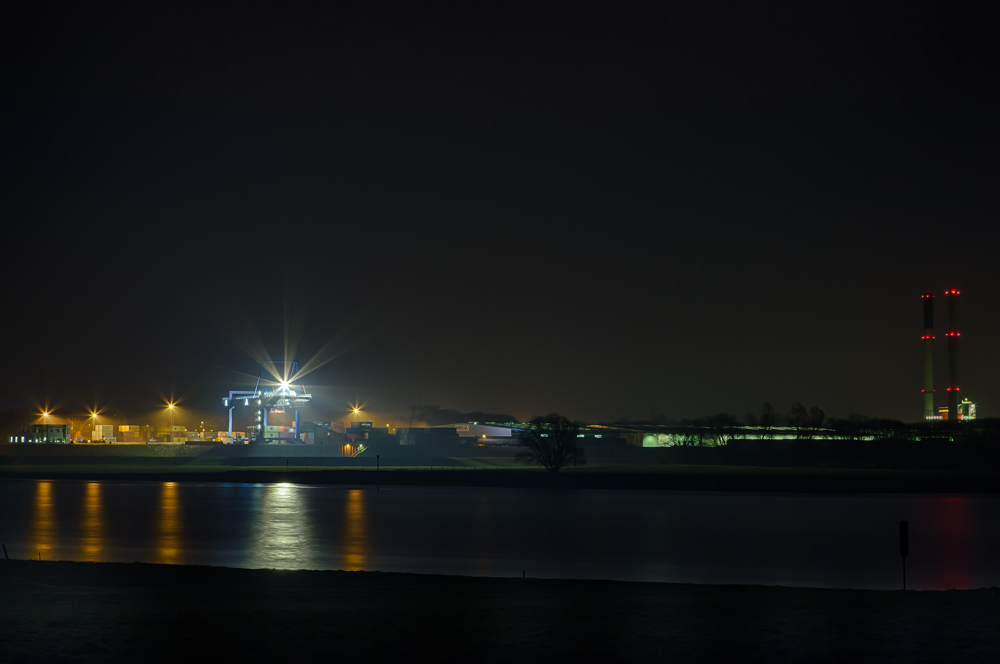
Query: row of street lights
x,y
171,407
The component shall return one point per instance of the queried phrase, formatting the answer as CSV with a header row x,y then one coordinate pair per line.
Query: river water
x,y
845,541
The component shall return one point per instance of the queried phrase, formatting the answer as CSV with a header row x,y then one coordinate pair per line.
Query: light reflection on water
x,y
354,543
169,525
951,518
281,538
43,525
92,524
769,539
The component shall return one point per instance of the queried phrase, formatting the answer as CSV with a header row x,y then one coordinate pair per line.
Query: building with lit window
x,y
44,433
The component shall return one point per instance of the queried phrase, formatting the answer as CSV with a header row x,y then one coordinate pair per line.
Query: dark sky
x,y
579,209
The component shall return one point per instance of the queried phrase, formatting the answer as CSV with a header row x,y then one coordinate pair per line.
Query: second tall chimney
x,y
953,334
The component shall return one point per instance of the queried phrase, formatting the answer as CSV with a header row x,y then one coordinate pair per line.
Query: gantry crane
x,y
266,398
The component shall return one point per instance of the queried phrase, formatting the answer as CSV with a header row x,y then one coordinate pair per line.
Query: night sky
x,y
578,209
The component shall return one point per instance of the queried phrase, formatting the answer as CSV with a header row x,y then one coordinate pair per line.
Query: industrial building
x,y
481,434
44,433
966,411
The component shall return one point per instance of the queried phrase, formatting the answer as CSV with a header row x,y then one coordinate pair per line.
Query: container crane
x,y
265,398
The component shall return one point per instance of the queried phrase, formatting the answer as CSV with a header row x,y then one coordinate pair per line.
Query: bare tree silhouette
x,y
805,421
552,442
765,421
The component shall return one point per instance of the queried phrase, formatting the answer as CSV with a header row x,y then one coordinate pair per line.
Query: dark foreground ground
x,y
97,612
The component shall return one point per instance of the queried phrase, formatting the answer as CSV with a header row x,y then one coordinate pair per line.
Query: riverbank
x,y
657,478
107,612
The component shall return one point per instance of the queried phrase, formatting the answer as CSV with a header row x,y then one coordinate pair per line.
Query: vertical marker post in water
x,y
377,485
904,546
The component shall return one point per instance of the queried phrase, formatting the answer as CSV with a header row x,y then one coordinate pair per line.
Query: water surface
x,y
690,537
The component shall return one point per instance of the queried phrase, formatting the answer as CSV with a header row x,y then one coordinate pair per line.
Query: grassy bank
x,y
96,612
504,473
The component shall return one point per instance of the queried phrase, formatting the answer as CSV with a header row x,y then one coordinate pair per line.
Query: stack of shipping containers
x,y
281,435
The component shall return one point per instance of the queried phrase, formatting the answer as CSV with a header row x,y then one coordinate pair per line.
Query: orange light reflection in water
x,y
92,524
355,541
169,545
41,525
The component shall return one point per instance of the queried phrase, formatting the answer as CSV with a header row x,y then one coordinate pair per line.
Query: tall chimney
x,y
953,334
928,339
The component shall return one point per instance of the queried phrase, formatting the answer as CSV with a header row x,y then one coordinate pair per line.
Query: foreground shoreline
x,y
672,478
66,611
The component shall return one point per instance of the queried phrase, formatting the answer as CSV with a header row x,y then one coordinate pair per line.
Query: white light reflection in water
x,y
42,523
169,527
281,537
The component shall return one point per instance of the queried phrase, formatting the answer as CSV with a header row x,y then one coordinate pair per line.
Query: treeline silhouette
x,y
805,437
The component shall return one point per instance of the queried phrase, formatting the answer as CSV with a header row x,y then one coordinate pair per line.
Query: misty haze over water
x,y
847,541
